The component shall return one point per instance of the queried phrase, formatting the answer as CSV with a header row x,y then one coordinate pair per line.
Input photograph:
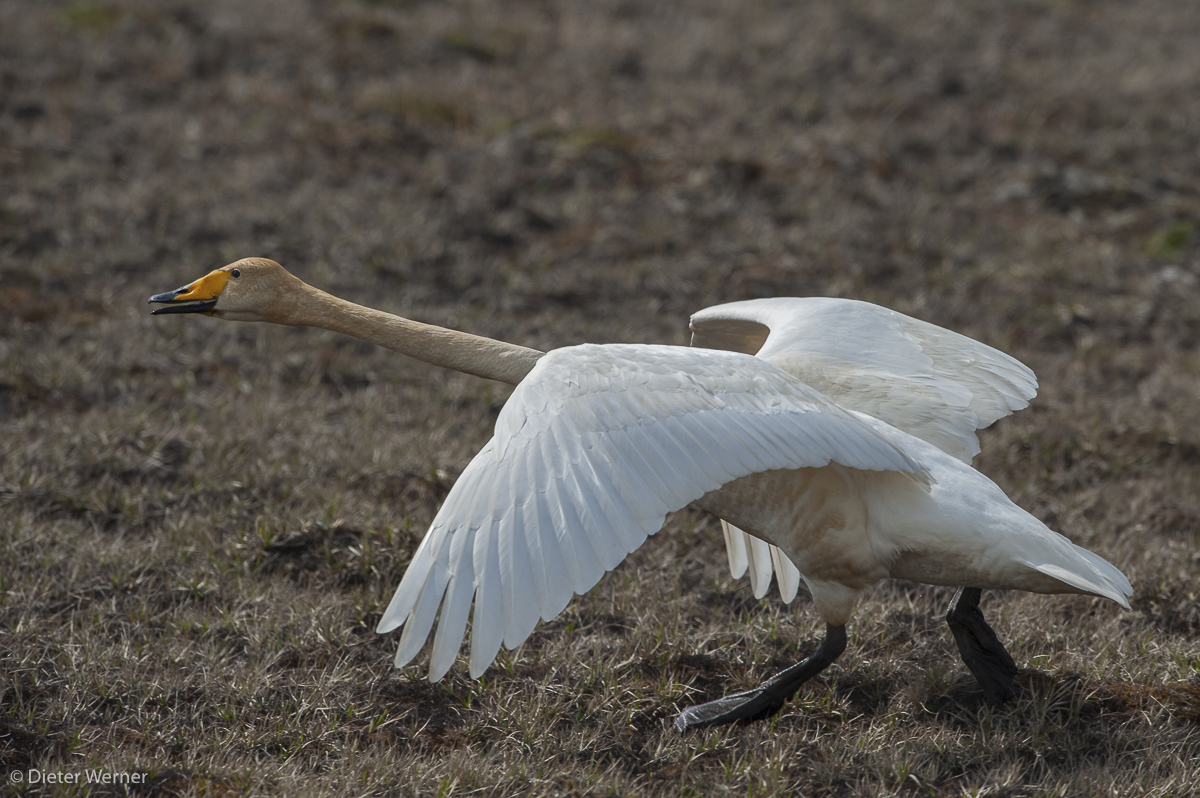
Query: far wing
x,y
592,450
930,382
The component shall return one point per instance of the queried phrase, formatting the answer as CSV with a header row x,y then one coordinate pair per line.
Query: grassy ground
x,y
200,521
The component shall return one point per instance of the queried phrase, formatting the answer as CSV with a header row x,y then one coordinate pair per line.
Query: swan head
x,y
251,289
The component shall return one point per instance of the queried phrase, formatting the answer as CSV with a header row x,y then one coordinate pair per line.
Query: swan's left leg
x,y
981,650
767,699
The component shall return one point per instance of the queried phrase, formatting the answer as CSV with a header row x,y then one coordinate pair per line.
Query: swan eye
x,y
236,273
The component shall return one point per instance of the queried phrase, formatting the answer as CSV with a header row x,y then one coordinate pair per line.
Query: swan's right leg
x,y
769,697
981,650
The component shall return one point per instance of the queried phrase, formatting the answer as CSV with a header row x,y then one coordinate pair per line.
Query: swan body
x,y
832,437
849,528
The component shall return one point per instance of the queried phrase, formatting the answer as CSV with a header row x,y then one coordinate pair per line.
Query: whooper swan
x,y
832,437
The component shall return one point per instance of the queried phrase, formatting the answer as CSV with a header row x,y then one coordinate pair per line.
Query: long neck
x,y
470,354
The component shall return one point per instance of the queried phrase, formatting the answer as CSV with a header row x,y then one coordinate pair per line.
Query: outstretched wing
x,y
930,382
592,450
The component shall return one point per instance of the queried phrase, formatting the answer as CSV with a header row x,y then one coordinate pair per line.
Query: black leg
x,y
766,700
981,650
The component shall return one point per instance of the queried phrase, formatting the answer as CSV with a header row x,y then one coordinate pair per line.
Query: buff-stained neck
x,y
471,354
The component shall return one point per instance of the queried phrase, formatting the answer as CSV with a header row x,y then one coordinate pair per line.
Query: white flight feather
x,y
760,565
735,547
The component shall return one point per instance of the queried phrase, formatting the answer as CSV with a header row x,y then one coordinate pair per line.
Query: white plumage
x,y
599,443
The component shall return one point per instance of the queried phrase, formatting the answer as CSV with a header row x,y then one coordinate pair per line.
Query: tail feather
x,y
1086,571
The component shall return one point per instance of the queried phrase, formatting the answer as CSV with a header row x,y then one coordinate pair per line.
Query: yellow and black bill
x,y
198,297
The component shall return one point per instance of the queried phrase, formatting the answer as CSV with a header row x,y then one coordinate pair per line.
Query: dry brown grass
x,y
200,521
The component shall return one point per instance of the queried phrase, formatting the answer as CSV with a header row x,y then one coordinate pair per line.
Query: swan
x,y
832,437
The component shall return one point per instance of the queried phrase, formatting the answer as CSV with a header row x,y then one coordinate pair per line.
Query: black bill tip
x,y
168,298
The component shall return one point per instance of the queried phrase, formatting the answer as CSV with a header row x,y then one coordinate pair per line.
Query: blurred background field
x,y
201,521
